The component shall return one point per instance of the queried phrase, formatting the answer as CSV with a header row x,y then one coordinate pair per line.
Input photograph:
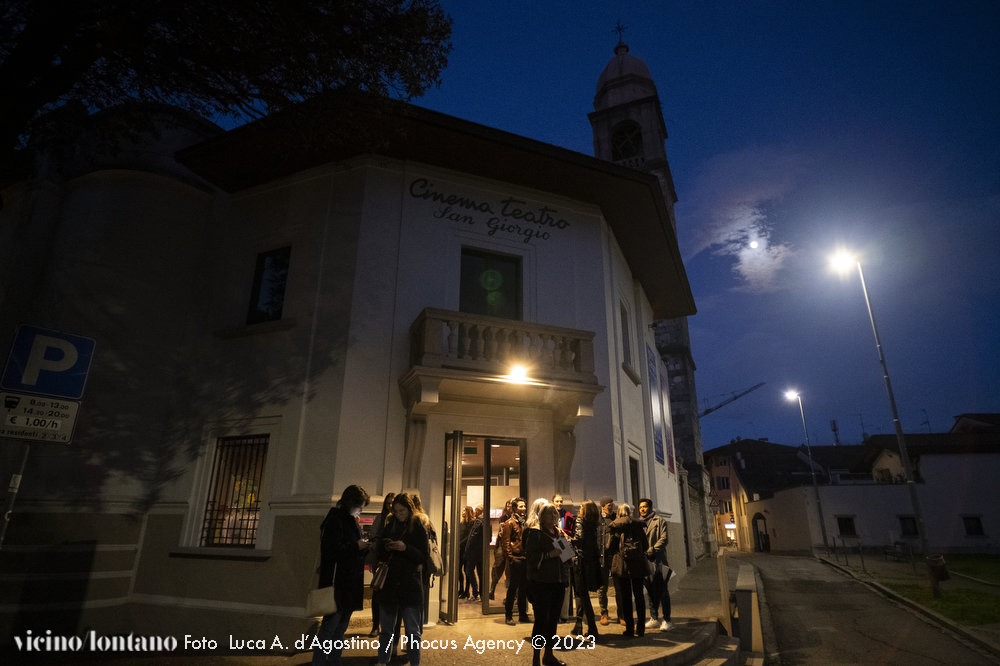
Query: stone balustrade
x,y
492,346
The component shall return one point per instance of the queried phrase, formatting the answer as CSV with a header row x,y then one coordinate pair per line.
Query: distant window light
x,y
846,526
973,525
267,296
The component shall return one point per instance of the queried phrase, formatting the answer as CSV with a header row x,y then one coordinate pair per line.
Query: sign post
x,y
43,380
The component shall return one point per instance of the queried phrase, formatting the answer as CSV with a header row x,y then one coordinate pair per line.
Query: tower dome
x,y
624,79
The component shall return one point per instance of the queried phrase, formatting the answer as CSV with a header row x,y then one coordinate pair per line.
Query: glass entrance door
x,y
505,470
480,471
449,521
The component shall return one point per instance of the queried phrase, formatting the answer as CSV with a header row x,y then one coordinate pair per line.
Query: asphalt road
x,y
821,616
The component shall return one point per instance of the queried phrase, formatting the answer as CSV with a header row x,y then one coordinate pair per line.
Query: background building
x,y
767,502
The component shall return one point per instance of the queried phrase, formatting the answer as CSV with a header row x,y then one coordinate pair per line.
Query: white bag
x,y
321,602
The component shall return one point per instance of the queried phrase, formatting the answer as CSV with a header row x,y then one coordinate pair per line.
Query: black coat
x,y
636,532
589,553
540,568
474,542
339,537
404,582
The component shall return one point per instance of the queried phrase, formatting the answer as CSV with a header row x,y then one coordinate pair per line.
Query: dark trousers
x,y
659,594
473,577
547,600
499,560
517,589
583,606
602,594
627,589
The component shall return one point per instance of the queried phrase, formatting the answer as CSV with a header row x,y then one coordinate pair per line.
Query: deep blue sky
x,y
802,125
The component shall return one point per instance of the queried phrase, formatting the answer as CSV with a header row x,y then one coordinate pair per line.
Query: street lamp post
x,y
842,262
794,395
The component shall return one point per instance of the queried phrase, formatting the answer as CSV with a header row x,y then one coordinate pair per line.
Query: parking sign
x,y
47,362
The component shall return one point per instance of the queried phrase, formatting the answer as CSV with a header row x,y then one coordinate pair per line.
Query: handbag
x,y
379,575
321,601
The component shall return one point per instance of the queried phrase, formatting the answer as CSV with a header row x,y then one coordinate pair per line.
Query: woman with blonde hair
x,y
548,575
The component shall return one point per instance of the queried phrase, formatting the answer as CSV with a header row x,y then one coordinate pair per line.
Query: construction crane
x,y
728,400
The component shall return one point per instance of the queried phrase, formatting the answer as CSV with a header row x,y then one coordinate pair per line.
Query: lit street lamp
x,y
842,262
794,395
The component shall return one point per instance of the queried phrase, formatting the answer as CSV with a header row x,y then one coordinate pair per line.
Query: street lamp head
x,y
791,394
843,261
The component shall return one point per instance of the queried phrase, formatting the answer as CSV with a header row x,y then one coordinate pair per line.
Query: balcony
x,y
469,356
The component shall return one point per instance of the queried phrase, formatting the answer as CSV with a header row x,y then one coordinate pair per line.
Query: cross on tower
x,y
620,29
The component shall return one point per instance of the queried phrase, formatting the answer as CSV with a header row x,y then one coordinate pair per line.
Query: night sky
x,y
802,126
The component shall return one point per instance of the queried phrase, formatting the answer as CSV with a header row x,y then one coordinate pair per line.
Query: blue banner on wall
x,y
653,361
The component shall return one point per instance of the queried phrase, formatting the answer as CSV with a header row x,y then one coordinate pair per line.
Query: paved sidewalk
x,y
696,607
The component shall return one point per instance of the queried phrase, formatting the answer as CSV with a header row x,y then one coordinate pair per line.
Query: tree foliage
x,y
237,58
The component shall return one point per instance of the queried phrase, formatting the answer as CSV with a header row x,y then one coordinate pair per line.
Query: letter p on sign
x,y
48,363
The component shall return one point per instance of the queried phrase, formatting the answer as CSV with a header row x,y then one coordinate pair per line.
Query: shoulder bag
x,y
321,601
379,574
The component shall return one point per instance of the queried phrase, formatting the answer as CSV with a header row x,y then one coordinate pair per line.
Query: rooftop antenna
x,y
836,432
926,421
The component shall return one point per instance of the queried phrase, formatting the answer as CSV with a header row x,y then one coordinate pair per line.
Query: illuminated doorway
x,y
487,471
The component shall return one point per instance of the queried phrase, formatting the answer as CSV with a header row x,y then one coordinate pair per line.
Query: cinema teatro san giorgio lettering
x,y
510,216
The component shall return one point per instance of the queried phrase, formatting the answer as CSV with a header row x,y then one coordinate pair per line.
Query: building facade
x,y
450,310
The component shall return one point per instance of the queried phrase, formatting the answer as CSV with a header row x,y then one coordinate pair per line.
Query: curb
x,y
987,645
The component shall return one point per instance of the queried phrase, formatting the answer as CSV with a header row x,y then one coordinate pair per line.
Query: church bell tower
x,y
628,128
628,122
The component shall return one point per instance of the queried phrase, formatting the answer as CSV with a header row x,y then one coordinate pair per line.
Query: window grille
x,y
232,511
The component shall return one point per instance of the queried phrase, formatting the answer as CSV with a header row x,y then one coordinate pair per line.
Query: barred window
x,y
232,510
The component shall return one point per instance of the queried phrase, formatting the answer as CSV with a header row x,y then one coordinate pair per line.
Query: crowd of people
x,y
547,555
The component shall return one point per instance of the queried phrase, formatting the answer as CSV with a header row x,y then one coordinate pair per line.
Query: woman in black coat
x,y
474,555
342,563
589,551
629,576
373,534
403,544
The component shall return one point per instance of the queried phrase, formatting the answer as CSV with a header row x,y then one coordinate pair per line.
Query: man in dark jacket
x,y
342,563
517,587
656,585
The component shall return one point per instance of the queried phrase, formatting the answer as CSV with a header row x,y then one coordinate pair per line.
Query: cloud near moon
x,y
726,213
